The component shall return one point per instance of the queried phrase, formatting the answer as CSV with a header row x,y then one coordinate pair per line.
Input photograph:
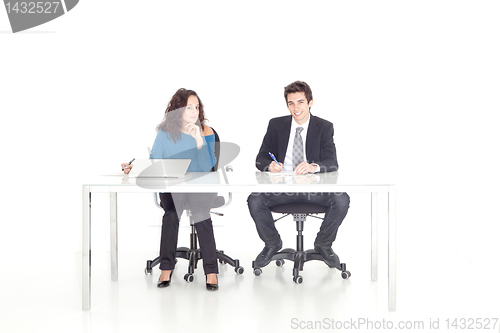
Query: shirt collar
x,y
305,125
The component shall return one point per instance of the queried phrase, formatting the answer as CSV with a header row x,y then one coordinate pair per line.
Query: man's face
x,y
298,107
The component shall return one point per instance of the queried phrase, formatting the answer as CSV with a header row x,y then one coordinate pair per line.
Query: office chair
x,y
193,253
299,256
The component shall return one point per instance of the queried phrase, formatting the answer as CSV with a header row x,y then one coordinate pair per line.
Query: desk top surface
x,y
260,180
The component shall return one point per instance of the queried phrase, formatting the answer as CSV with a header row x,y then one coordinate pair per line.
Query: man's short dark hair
x,y
298,86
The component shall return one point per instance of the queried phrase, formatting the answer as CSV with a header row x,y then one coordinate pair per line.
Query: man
x,y
304,144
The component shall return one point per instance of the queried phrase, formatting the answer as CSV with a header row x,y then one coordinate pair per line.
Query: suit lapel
x,y
284,135
312,133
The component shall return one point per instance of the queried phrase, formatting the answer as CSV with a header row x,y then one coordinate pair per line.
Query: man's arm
x,y
263,159
327,153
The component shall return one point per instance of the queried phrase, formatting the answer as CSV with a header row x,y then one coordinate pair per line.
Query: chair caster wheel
x,y
280,262
189,277
257,271
346,275
298,279
239,270
148,271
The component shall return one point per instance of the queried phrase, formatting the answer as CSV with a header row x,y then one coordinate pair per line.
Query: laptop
x,y
160,168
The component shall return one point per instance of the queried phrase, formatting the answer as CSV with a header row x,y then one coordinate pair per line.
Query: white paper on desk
x,y
113,174
288,177
134,175
286,174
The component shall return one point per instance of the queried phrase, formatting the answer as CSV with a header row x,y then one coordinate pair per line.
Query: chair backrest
x,y
217,151
220,200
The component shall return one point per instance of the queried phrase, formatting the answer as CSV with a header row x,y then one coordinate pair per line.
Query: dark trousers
x,y
173,205
337,205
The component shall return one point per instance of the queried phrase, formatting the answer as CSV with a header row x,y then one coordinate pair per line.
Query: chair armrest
x,y
156,200
228,168
229,200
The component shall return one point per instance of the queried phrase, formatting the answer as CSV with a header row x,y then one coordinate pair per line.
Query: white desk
x,y
235,182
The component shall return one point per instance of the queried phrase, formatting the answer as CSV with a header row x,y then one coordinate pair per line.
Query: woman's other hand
x,y
126,168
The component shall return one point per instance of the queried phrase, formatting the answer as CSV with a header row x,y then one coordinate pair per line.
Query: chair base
x,y
299,258
193,255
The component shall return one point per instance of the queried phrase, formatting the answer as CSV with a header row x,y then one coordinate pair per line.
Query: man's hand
x,y
275,167
304,168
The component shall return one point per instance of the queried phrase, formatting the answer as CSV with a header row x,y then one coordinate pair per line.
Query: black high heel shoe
x,y
212,286
164,284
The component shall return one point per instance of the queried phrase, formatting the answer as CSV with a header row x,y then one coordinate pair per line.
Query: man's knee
x,y
342,200
255,200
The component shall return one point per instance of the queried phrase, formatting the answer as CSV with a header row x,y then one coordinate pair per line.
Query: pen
x,y
129,163
274,158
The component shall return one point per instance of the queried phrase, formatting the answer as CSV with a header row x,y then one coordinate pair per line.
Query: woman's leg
x,y
206,238
169,234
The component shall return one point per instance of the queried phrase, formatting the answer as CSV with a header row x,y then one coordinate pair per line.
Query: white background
x,y
411,87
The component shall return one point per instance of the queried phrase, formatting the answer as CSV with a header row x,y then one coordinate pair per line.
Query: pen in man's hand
x,y
274,158
129,163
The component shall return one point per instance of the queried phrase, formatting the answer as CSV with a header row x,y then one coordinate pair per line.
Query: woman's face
x,y
191,111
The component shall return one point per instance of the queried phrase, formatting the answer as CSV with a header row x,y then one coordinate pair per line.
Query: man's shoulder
x,y
320,121
281,120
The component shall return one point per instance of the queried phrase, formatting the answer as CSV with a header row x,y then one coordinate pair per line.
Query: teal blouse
x,y
202,160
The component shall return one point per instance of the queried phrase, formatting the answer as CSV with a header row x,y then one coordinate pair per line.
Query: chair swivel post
x,y
299,219
193,242
193,238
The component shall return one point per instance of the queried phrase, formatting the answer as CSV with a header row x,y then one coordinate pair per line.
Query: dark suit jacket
x,y
320,148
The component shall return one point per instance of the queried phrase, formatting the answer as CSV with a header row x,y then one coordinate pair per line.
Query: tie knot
x,y
298,130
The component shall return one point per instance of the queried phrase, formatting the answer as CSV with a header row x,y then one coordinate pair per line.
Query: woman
x,y
182,134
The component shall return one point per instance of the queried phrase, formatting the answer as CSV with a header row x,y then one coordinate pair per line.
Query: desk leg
x,y
374,234
392,247
114,235
86,249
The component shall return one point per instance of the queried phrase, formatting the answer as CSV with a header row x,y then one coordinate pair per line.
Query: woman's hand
x,y
194,130
126,168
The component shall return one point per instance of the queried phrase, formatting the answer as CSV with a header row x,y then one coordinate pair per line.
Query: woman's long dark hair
x,y
172,121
